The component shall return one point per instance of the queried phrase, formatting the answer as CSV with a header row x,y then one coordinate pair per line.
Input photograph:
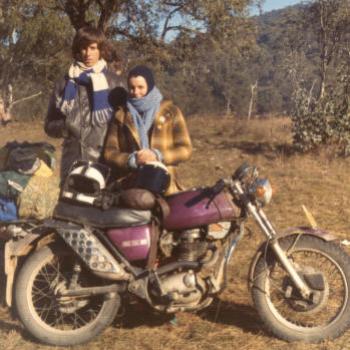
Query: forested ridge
x,y
209,56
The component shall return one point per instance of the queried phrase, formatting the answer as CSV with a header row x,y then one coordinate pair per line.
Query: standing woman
x,y
84,101
147,129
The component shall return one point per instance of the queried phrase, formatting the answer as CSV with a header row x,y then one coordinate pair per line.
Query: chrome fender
x,y
290,231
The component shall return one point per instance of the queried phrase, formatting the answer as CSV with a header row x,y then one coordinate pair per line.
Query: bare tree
x,y
253,93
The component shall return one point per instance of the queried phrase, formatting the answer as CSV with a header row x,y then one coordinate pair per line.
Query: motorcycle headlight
x,y
262,191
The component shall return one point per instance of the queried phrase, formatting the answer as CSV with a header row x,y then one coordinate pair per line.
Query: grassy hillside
x,y
220,145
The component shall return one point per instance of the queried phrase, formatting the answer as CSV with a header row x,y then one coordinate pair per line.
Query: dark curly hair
x,y
90,35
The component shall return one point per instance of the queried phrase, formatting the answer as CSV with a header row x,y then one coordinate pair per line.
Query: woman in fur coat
x,y
147,129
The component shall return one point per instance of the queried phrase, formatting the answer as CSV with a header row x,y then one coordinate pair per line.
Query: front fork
x,y
267,228
271,234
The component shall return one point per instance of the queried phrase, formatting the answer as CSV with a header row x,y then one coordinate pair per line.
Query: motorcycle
x,y
73,273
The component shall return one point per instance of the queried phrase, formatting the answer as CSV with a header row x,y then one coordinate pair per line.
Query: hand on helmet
x,y
144,156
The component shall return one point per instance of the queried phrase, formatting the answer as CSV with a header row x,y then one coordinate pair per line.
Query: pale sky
x,y
277,4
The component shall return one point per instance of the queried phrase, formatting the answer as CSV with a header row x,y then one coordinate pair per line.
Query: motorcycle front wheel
x,y
55,320
325,267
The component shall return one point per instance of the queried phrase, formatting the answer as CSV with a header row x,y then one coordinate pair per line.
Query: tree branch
x,y
24,99
171,3
168,18
76,11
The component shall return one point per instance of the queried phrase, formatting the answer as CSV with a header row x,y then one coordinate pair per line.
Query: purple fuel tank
x,y
133,242
199,207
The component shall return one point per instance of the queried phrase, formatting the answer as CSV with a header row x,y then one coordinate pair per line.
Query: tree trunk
x,y
310,94
5,105
253,89
228,106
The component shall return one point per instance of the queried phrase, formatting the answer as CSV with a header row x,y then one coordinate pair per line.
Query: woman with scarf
x,y
83,103
147,129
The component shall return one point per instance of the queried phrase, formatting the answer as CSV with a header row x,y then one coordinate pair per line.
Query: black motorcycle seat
x,y
92,216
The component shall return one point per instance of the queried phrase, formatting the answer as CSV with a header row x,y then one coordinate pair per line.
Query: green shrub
x,y
326,120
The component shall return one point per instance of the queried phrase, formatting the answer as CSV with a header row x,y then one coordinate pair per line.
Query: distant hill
x,y
279,33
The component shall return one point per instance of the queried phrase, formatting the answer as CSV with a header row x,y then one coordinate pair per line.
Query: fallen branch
x,y
5,113
24,99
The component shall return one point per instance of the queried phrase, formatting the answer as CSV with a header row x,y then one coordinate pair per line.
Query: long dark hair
x,y
86,36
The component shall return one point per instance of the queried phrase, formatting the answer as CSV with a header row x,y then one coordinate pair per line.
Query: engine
x,y
184,289
189,289
189,245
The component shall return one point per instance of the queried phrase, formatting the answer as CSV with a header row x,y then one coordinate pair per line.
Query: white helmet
x,y
85,181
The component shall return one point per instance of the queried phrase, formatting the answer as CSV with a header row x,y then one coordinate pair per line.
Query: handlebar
x,y
220,185
239,175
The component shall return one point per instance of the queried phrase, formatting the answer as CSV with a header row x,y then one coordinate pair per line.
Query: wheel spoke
x,y
78,317
45,277
60,320
36,291
36,300
43,314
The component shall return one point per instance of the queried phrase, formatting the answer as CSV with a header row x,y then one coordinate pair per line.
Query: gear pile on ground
x,y
28,186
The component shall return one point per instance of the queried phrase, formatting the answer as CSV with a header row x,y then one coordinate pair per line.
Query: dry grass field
x,y
317,180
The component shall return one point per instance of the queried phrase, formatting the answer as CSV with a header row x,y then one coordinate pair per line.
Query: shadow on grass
x,y
9,326
139,314
267,149
231,314
221,312
15,325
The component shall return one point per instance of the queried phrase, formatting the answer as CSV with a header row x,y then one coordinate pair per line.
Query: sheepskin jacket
x,y
168,134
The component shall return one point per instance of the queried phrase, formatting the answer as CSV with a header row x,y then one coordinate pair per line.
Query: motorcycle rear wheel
x,y
54,320
284,312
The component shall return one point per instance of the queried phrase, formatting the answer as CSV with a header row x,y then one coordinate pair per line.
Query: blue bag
x,y
8,210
